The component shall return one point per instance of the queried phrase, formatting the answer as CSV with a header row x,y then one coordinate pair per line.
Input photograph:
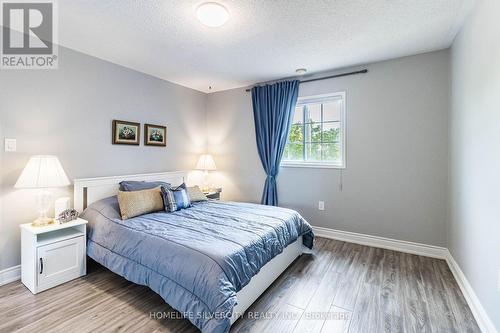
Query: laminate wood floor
x,y
341,287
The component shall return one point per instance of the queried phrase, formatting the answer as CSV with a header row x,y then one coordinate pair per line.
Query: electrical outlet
x,y
321,205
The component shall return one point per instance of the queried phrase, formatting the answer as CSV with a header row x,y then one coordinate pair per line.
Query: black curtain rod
x,y
363,71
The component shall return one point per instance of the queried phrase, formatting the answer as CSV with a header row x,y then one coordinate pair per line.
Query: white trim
x,y
382,242
10,274
485,324
482,318
341,95
298,164
317,99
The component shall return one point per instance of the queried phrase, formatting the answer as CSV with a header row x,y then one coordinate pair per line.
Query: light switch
x,y
10,145
321,205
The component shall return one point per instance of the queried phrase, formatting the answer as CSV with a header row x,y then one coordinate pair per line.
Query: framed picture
x,y
126,133
155,135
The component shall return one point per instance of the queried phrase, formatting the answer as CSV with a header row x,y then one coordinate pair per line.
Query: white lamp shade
x,y
206,162
42,171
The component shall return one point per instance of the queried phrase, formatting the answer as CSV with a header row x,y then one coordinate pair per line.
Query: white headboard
x,y
89,190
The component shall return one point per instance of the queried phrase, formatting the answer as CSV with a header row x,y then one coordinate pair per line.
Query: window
x,y
317,135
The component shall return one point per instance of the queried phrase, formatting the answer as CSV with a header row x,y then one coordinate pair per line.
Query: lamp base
x,y
42,222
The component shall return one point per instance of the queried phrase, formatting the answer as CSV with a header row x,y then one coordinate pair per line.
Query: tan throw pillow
x,y
195,194
139,202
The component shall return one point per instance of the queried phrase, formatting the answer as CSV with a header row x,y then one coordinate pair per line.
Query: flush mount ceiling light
x,y
301,71
212,14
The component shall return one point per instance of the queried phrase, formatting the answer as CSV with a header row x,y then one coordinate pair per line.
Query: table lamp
x,y
205,163
43,172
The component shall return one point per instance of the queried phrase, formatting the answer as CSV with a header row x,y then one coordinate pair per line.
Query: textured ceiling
x,y
263,39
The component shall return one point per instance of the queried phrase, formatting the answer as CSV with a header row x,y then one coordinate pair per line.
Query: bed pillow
x,y
175,198
195,194
137,203
134,185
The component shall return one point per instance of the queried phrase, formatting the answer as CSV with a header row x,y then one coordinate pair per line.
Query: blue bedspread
x,y
196,259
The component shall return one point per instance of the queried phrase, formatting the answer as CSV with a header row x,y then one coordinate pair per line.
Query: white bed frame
x,y
89,190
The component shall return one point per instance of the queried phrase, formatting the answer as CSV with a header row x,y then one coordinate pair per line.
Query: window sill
x,y
287,164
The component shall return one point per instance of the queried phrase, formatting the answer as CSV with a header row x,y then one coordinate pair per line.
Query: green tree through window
x,y
316,134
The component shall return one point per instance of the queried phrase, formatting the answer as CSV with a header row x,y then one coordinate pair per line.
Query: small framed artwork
x,y
126,133
155,135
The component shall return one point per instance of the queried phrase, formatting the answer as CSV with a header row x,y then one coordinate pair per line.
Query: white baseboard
x,y
482,318
14,273
384,243
10,274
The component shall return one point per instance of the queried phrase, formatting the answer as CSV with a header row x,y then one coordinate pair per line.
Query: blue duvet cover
x,y
196,259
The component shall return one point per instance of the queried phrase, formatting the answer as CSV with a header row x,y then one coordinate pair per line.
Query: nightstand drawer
x,y
59,262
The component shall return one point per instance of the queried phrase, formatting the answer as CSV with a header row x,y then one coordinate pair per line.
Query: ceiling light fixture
x,y
212,14
301,71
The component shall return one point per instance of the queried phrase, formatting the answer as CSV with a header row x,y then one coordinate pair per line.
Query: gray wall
x,y
474,224
396,177
395,184
397,139
68,112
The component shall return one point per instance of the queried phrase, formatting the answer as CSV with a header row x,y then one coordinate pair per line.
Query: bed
x,y
210,262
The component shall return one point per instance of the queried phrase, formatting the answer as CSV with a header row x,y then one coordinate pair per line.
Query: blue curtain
x,y
273,108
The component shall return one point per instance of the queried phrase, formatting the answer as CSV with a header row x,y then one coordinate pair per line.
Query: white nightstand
x,y
53,254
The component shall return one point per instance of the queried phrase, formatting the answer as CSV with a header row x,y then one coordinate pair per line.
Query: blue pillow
x,y
134,185
175,198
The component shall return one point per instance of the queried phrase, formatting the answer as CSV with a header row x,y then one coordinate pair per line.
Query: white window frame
x,y
321,164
